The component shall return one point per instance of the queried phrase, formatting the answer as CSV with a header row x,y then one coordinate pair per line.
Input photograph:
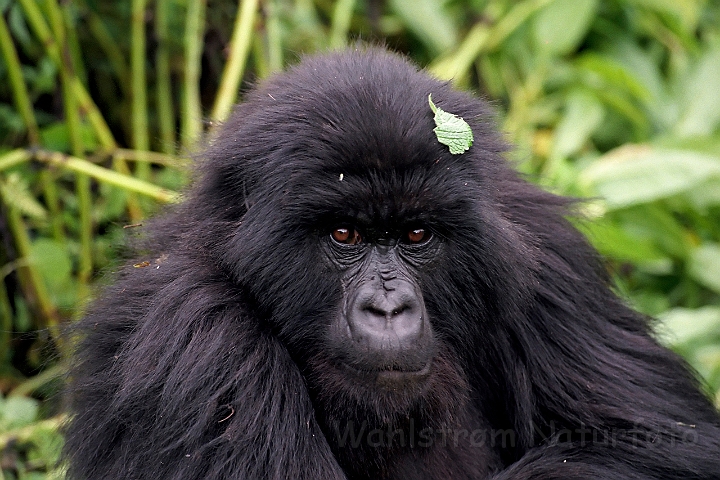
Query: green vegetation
x,y
451,130
102,102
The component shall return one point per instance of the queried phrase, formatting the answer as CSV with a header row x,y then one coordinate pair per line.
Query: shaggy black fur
x,y
213,362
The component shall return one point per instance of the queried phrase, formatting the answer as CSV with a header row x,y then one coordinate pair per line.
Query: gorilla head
x,y
341,297
372,252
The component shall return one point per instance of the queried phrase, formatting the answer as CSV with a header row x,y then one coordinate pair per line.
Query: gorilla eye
x,y
347,236
418,235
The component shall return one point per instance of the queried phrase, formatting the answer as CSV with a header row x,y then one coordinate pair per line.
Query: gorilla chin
x,y
344,297
392,379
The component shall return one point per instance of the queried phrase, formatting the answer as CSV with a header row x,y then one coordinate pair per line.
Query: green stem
x,y
20,93
341,23
274,37
239,51
510,22
72,43
262,69
141,140
455,67
34,383
152,157
482,38
13,158
32,283
50,193
165,111
110,47
24,105
111,177
6,322
73,121
194,33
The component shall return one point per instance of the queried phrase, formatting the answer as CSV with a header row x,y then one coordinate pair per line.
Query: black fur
x,y
212,362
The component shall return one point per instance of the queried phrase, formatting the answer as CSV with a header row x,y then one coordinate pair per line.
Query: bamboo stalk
x,y
34,383
6,318
94,116
262,69
194,33
33,285
13,158
72,44
50,194
105,175
112,51
152,157
164,101
101,174
239,50
342,14
74,123
20,93
25,107
141,140
274,36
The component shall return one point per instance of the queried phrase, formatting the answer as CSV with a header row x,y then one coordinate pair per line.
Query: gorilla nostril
x,y
386,322
400,310
386,312
375,311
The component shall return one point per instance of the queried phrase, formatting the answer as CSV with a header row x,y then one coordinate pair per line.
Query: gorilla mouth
x,y
392,374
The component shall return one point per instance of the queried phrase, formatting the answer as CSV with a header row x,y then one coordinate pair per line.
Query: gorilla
x,y
340,297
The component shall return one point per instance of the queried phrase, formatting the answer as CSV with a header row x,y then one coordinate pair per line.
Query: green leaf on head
x,y
451,130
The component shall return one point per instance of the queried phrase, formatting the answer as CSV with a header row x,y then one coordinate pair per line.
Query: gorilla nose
x,y
387,320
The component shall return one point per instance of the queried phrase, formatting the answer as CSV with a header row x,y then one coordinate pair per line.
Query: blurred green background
x,y
101,103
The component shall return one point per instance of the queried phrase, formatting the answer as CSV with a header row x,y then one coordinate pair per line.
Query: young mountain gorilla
x,y
340,296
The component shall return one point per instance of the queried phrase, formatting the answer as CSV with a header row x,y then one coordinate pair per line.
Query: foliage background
x,y
101,103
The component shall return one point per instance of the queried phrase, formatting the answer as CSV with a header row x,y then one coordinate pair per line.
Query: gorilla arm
x,y
188,374
604,398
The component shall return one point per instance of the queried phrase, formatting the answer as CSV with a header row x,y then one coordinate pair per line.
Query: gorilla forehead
x,y
358,114
382,198
354,130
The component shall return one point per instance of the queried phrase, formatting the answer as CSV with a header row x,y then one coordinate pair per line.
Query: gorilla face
x,y
382,328
383,332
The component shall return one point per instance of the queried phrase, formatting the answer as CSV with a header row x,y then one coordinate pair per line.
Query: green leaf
x,y
52,260
702,106
612,241
683,325
451,130
656,223
560,26
9,118
706,195
57,137
18,411
583,114
636,174
429,21
705,265
16,193
687,11
18,27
